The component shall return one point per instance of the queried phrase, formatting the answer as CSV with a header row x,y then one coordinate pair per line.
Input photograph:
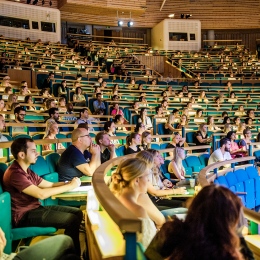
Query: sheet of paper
x,y
82,188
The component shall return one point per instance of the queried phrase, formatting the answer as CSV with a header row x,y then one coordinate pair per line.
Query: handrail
x,y
203,173
124,218
252,215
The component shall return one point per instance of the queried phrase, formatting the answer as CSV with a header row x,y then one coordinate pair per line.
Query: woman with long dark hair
x,y
208,232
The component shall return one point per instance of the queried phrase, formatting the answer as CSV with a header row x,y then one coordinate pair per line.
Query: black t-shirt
x,y
105,156
172,146
69,160
129,150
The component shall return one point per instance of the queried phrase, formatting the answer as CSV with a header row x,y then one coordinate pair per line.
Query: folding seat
x,y
204,159
194,163
253,174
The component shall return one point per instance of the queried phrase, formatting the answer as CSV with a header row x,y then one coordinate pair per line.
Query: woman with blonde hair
x,y
146,140
128,182
175,167
11,99
52,129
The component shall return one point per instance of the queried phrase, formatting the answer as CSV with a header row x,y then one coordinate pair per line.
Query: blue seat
x,y
222,181
194,163
231,178
241,175
120,151
190,138
204,159
253,174
188,170
52,161
155,146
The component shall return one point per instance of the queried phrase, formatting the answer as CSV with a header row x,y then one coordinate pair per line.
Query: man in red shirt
x,y
26,188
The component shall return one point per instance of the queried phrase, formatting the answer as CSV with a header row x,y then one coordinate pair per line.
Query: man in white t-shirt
x,y
2,138
222,153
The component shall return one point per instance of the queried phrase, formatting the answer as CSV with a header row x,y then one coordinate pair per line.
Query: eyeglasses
x,y
84,135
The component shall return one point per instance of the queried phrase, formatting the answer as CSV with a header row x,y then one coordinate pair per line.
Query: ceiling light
x,y
188,16
120,23
171,15
130,23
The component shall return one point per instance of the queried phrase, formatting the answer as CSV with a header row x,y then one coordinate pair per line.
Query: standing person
x,y
128,182
72,162
107,150
133,142
222,153
26,188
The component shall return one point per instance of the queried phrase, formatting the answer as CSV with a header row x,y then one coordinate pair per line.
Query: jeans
x,y
53,248
64,217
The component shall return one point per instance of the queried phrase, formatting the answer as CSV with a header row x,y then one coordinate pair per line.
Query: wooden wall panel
x,y
46,3
153,62
220,14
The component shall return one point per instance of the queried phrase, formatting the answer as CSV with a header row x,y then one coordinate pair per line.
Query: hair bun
x,y
117,178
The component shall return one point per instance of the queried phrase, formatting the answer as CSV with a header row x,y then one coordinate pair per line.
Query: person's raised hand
x,y
94,149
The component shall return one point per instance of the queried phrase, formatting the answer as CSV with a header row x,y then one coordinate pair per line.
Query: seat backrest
x,y
204,159
120,151
52,161
252,172
5,219
161,129
192,161
3,168
190,137
241,175
231,178
222,181
40,167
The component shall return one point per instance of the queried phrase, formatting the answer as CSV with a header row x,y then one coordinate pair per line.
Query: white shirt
x,y
218,156
2,139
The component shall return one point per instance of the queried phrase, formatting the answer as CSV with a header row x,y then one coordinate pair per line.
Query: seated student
x,y
159,114
249,123
202,96
72,162
211,125
183,122
142,102
29,100
107,150
140,128
201,137
232,97
110,129
250,113
224,114
222,153
236,123
206,222
116,110
79,97
133,142
241,127
128,182
199,117
159,186
62,89
244,143
98,103
240,111
84,118
12,98
26,188
19,113
177,141
45,93
235,151
62,105
227,128
146,140
119,122
56,247
52,129
175,167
